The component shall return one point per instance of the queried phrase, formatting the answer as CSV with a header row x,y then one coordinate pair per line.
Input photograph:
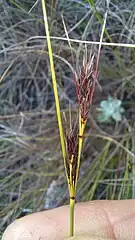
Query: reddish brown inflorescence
x,y
85,85
72,152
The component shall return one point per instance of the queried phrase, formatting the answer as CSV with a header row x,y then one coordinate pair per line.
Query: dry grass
x,y
31,174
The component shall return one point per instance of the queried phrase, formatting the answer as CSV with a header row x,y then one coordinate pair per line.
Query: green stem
x,y
58,111
72,205
81,133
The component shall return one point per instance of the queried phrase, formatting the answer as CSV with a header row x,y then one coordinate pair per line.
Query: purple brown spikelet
x,y
72,154
84,86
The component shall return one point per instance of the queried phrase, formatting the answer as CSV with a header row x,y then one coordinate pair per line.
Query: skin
x,y
96,220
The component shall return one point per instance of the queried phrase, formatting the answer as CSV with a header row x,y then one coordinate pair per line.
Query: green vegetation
x,y
31,163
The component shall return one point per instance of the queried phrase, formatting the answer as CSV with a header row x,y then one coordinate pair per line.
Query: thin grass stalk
x,y
111,44
54,80
71,213
82,125
72,206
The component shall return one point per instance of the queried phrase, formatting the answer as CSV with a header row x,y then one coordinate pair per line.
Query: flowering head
x,y
72,154
84,86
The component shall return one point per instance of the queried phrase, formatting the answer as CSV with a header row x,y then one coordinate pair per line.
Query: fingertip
x,y
41,225
10,230
20,229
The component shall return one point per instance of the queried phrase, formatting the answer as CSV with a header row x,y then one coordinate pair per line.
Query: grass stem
x,y
54,80
72,205
80,145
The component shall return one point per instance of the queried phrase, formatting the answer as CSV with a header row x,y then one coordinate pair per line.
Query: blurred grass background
x,y
31,166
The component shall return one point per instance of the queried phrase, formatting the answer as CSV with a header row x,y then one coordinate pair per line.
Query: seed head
x,y
72,152
84,86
